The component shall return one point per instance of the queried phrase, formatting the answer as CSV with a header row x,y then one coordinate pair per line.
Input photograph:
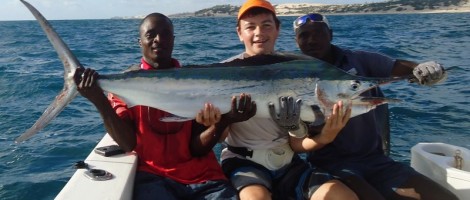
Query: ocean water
x,y
31,75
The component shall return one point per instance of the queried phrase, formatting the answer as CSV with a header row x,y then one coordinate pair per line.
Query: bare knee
x,y
255,192
422,187
334,190
408,192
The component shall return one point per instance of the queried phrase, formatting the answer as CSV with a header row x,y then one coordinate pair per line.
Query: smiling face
x,y
157,40
314,40
258,33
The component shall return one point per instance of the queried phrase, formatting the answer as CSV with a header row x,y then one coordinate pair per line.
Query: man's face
x,y
258,33
314,39
156,39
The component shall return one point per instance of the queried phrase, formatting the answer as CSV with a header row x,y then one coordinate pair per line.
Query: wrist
x,y
98,99
222,124
324,138
301,132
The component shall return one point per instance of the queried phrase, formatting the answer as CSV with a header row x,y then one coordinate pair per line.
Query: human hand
x,y
289,116
208,116
429,73
244,110
335,122
86,79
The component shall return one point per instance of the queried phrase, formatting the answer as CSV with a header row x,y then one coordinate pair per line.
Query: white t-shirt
x,y
255,133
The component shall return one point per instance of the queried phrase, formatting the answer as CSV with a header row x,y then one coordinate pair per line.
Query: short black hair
x,y
155,15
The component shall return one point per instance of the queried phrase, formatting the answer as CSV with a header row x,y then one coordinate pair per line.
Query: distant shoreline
x,y
392,12
349,13
296,9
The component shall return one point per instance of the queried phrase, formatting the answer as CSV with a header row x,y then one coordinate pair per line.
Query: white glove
x,y
289,116
429,73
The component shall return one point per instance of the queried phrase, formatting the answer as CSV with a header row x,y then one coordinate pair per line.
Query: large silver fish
x,y
184,91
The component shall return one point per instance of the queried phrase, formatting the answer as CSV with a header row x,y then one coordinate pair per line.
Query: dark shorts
x,y
298,180
381,172
149,186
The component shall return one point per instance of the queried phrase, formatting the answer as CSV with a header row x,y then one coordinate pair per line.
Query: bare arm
x,y
209,131
427,73
205,133
403,68
333,125
122,131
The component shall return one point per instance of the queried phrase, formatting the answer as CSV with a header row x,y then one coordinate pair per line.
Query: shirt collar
x,y
146,66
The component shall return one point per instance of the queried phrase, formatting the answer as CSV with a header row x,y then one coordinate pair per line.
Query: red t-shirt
x,y
163,147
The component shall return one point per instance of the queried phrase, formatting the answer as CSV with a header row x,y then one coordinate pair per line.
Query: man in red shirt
x,y
176,160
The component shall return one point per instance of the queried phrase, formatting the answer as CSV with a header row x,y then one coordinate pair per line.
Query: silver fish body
x,y
184,91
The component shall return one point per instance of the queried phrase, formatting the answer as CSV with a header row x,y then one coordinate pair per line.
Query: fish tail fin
x,y
60,102
70,63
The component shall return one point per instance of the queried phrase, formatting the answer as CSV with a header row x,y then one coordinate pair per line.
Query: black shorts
x,y
298,180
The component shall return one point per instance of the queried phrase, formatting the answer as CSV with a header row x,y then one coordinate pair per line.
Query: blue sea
x,y
31,75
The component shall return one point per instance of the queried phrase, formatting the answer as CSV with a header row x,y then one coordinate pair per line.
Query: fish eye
x,y
355,85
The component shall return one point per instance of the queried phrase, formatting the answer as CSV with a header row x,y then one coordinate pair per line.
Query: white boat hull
x,y
435,160
438,161
120,186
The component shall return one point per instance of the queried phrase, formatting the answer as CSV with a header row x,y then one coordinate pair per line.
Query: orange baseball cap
x,y
249,4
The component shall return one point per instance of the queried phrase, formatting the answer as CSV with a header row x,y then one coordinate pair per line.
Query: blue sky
x,y
104,9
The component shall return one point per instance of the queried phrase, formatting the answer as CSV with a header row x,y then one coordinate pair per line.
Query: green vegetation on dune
x,y
386,6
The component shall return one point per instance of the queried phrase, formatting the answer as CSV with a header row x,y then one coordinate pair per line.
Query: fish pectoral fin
x,y
377,100
174,118
319,116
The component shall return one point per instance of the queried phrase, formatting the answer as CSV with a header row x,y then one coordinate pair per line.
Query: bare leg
x,y
334,190
362,188
421,187
255,192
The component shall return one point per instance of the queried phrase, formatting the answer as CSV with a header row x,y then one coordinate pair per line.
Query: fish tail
x,y
70,63
60,102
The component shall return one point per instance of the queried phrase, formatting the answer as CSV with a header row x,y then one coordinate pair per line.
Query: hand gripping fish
x,y
182,92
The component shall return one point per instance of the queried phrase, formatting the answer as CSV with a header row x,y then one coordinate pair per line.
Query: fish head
x,y
329,92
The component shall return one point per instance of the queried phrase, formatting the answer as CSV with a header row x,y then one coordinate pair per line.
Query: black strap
x,y
240,151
